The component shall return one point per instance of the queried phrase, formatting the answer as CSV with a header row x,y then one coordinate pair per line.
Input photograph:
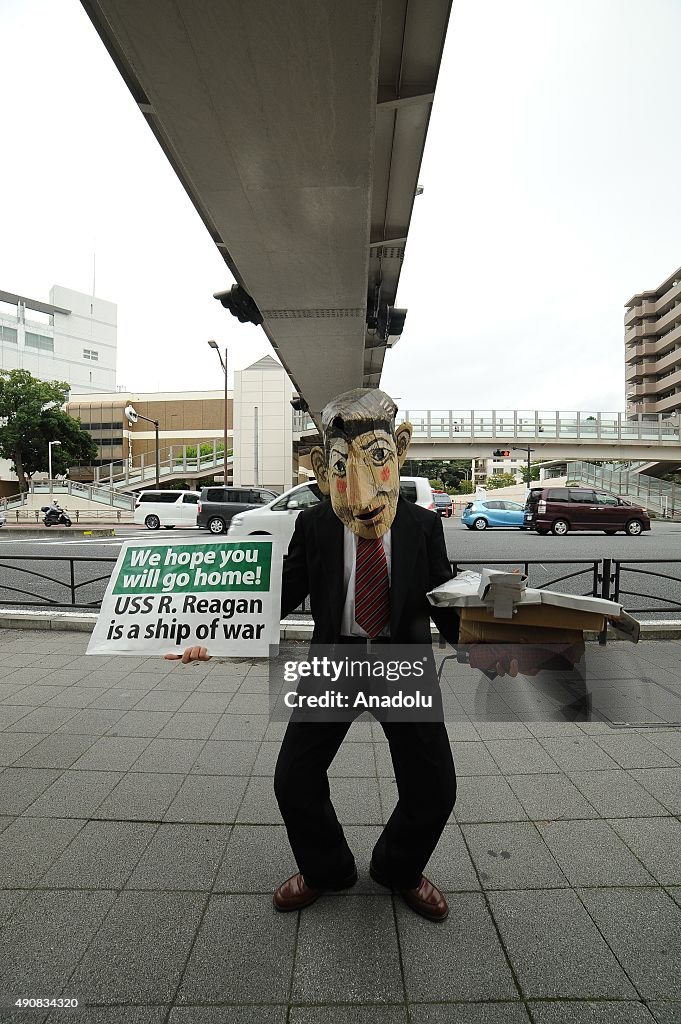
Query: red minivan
x,y
560,509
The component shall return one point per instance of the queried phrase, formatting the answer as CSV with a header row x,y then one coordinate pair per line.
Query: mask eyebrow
x,y
376,440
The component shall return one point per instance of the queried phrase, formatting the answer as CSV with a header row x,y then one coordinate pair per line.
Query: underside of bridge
x,y
297,129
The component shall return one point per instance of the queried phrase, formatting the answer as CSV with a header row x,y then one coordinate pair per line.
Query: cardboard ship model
x,y
499,608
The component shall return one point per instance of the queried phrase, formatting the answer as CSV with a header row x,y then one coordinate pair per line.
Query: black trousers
x,y
426,786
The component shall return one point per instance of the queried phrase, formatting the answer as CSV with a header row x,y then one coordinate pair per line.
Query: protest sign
x,y
220,594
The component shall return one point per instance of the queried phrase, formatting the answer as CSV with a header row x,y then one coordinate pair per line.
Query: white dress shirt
x,y
348,625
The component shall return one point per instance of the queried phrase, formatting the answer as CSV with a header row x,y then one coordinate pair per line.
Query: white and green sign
x,y
220,594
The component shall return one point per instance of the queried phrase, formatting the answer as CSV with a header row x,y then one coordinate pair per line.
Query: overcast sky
x,y
551,180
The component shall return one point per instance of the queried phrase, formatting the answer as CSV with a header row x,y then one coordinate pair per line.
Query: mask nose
x,y
359,489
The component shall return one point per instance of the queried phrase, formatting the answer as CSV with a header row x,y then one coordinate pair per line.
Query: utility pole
x,y
223,362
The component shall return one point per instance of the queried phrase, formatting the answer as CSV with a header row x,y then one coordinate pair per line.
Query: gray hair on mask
x,y
354,412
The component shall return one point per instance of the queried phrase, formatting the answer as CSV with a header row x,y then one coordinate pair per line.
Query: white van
x,y
156,509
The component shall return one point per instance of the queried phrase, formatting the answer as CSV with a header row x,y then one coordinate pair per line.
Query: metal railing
x,y
662,496
606,578
637,567
85,515
514,424
74,489
174,463
590,569
14,578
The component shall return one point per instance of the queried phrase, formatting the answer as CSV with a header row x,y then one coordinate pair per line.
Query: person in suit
x,y
367,559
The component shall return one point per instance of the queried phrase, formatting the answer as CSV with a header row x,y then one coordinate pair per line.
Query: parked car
x,y
218,505
561,509
443,503
278,518
417,489
478,515
167,509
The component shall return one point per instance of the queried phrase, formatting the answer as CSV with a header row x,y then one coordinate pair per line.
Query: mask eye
x,y
339,467
380,455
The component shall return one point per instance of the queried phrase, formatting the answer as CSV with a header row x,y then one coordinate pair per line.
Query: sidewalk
x,y
140,842
38,529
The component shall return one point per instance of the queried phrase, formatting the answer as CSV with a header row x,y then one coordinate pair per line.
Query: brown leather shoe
x,y
295,893
426,899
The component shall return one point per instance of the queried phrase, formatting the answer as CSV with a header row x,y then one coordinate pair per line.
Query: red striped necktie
x,y
372,586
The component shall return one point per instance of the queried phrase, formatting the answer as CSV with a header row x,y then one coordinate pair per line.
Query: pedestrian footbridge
x,y
474,433
176,463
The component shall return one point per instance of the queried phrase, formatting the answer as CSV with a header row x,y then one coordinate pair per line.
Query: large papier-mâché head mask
x,y
359,465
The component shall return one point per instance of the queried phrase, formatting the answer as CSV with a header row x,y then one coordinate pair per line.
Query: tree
x,y
534,472
463,487
501,480
205,450
447,473
31,417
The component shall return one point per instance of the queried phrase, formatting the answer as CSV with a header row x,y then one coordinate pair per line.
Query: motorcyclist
x,y
54,513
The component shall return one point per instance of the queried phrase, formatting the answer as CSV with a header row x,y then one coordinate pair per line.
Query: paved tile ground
x,y
140,842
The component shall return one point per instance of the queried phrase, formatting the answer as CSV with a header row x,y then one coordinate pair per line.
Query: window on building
x,y
92,354
8,334
39,341
101,426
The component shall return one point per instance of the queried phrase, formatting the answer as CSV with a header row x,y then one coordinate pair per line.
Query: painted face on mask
x,y
360,471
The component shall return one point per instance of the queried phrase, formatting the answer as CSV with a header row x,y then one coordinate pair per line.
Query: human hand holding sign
x,y
189,654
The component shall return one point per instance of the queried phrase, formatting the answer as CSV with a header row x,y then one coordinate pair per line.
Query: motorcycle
x,y
55,516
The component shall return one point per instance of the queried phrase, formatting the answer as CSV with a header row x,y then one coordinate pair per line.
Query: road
x,y
661,548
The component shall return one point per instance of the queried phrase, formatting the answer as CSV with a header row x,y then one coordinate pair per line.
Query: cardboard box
x,y
474,631
544,615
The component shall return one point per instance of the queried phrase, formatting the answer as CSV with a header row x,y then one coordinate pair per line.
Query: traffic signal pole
x,y
525,448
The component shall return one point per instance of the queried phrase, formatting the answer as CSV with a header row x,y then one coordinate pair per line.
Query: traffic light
x,y
501,453
240,304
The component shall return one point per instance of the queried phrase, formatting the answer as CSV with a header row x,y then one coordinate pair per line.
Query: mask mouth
x,y
367,517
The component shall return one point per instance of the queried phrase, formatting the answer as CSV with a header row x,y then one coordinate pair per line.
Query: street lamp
x,y
223,363
133,416
49,464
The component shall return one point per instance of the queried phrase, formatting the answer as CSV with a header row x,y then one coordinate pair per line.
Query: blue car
x,y
478,515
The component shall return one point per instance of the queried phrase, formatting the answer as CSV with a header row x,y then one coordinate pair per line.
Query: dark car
x,y
443,503
559,510
217,505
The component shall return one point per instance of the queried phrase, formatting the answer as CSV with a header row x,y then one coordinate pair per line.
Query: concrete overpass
x,y
297,129
470,433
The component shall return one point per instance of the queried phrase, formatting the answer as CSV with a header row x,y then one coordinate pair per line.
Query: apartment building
x,y
652,349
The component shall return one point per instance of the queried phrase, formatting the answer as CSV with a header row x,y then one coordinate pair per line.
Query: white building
x,y
499,464
71,338
263,426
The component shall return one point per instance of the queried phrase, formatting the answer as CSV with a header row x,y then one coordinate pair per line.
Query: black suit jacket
x,y
419,563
